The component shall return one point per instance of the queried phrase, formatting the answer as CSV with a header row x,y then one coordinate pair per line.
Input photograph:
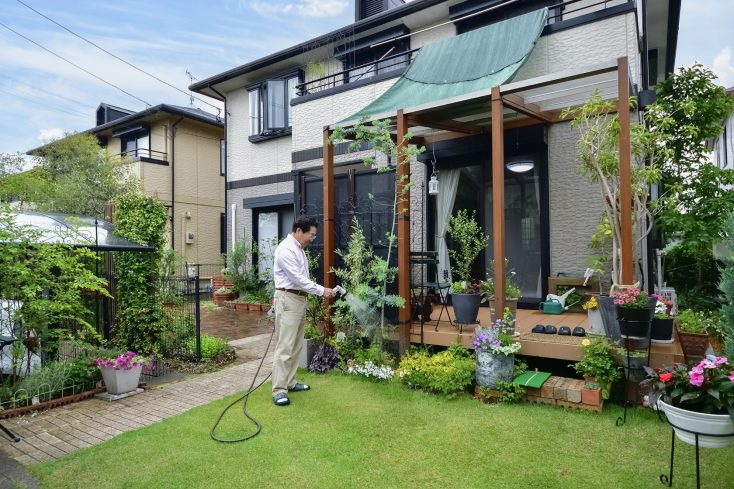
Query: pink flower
x,y
721,360
698,369
731,377
696,378
708,364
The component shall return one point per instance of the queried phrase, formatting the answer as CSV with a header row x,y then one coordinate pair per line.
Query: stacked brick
x,y
564,392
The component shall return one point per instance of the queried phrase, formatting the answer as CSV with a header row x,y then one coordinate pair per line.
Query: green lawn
x,y
348,432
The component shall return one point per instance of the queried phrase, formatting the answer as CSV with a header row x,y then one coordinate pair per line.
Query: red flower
x,y
666,377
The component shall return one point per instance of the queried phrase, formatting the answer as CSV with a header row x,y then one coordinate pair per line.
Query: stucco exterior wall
x,y
246,159
585,45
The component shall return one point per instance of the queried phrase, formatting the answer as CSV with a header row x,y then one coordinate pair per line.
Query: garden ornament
x,y
564,331
560,298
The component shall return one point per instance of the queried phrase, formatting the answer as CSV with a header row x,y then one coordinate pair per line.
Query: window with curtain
x,y
270,107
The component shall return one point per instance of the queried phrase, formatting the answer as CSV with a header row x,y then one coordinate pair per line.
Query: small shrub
x,y
375,356
326,358
211,346
443,373
510,392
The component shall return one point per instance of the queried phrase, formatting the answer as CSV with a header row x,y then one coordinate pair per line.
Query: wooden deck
x,y
533,344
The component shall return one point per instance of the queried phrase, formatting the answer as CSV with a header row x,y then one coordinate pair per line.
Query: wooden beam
x,y
516,103
446,125
328,227
625,171
402,178
498,200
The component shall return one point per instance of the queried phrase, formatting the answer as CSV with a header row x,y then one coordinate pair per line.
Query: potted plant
x,y
312,340
495,349
662,321
692,333
469,241
597,364
512,292
223,294
591,394
121,374
596,325
633,313
699,400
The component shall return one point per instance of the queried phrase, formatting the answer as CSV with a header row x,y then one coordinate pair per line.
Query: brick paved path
x,y
64,430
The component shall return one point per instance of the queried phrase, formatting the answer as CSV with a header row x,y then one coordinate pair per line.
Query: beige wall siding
x,y
246,159
585,45
310,118
199,190
420,39
575,205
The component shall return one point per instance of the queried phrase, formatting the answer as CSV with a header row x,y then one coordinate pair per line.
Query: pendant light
x,y
433,182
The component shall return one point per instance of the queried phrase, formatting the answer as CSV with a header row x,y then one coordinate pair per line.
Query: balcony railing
x,y
145,154
558,12
362,72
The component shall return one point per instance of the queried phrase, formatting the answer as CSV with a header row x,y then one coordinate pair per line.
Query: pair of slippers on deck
x,y
562,331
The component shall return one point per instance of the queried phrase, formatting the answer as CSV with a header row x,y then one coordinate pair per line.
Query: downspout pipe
x,y
173,182
226,160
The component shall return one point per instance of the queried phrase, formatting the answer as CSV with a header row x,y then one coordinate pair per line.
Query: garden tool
x,y
340,290
560,298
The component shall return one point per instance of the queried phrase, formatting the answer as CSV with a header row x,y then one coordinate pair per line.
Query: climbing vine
x,y
140,315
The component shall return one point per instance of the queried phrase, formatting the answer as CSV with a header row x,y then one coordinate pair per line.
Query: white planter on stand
x,y
121,381
693,422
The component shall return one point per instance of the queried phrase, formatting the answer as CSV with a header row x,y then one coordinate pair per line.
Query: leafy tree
x,y
695,196
73,175
598,152
690,110
377,135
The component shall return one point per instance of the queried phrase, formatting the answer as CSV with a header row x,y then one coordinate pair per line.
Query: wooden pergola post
x,y
625,171
498,201
402,177
328,228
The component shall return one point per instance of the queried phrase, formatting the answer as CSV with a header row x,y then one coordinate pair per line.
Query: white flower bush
x,y
370,370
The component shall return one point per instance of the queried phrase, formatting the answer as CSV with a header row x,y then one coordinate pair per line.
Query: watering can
x,y
552,306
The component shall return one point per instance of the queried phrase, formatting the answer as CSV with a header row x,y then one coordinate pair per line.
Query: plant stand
x,y
628,371
668,479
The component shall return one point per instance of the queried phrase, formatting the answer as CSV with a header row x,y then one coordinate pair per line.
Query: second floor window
x,y
270,106
136,145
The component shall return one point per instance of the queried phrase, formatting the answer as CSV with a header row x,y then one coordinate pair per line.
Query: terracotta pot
x,y
253,307
240,306
592,397
693,344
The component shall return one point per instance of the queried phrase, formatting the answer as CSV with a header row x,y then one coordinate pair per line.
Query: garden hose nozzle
x,y
340,290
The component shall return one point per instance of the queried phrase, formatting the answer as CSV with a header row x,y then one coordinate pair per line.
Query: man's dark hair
x,y
304,223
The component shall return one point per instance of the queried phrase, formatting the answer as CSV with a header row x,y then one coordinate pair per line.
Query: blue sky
x,y
42,97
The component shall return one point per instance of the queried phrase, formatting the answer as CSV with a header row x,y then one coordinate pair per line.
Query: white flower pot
x,y
711,424
121,381
596,325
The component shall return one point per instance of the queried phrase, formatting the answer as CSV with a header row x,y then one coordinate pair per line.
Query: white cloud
x,y
723,67
307,8
48,135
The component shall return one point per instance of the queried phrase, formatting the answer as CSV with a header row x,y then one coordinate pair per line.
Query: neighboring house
x,y
278,107
176,154
722,148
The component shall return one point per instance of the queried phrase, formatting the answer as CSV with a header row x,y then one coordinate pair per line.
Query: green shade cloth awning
x,y
473,61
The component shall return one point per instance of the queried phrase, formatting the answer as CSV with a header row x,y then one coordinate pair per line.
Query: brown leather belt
x,y
297,292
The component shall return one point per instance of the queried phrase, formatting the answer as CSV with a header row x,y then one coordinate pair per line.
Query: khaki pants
x,y
290,323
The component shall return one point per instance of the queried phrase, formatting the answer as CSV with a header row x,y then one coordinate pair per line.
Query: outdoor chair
x,y
420,289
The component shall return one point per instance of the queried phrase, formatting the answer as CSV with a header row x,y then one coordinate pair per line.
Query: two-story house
x,y
176,154
279,109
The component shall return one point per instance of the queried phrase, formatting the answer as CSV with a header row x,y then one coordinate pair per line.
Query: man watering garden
x,y
292,286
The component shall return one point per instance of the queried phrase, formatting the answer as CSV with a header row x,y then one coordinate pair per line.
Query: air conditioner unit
x,y
189,237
